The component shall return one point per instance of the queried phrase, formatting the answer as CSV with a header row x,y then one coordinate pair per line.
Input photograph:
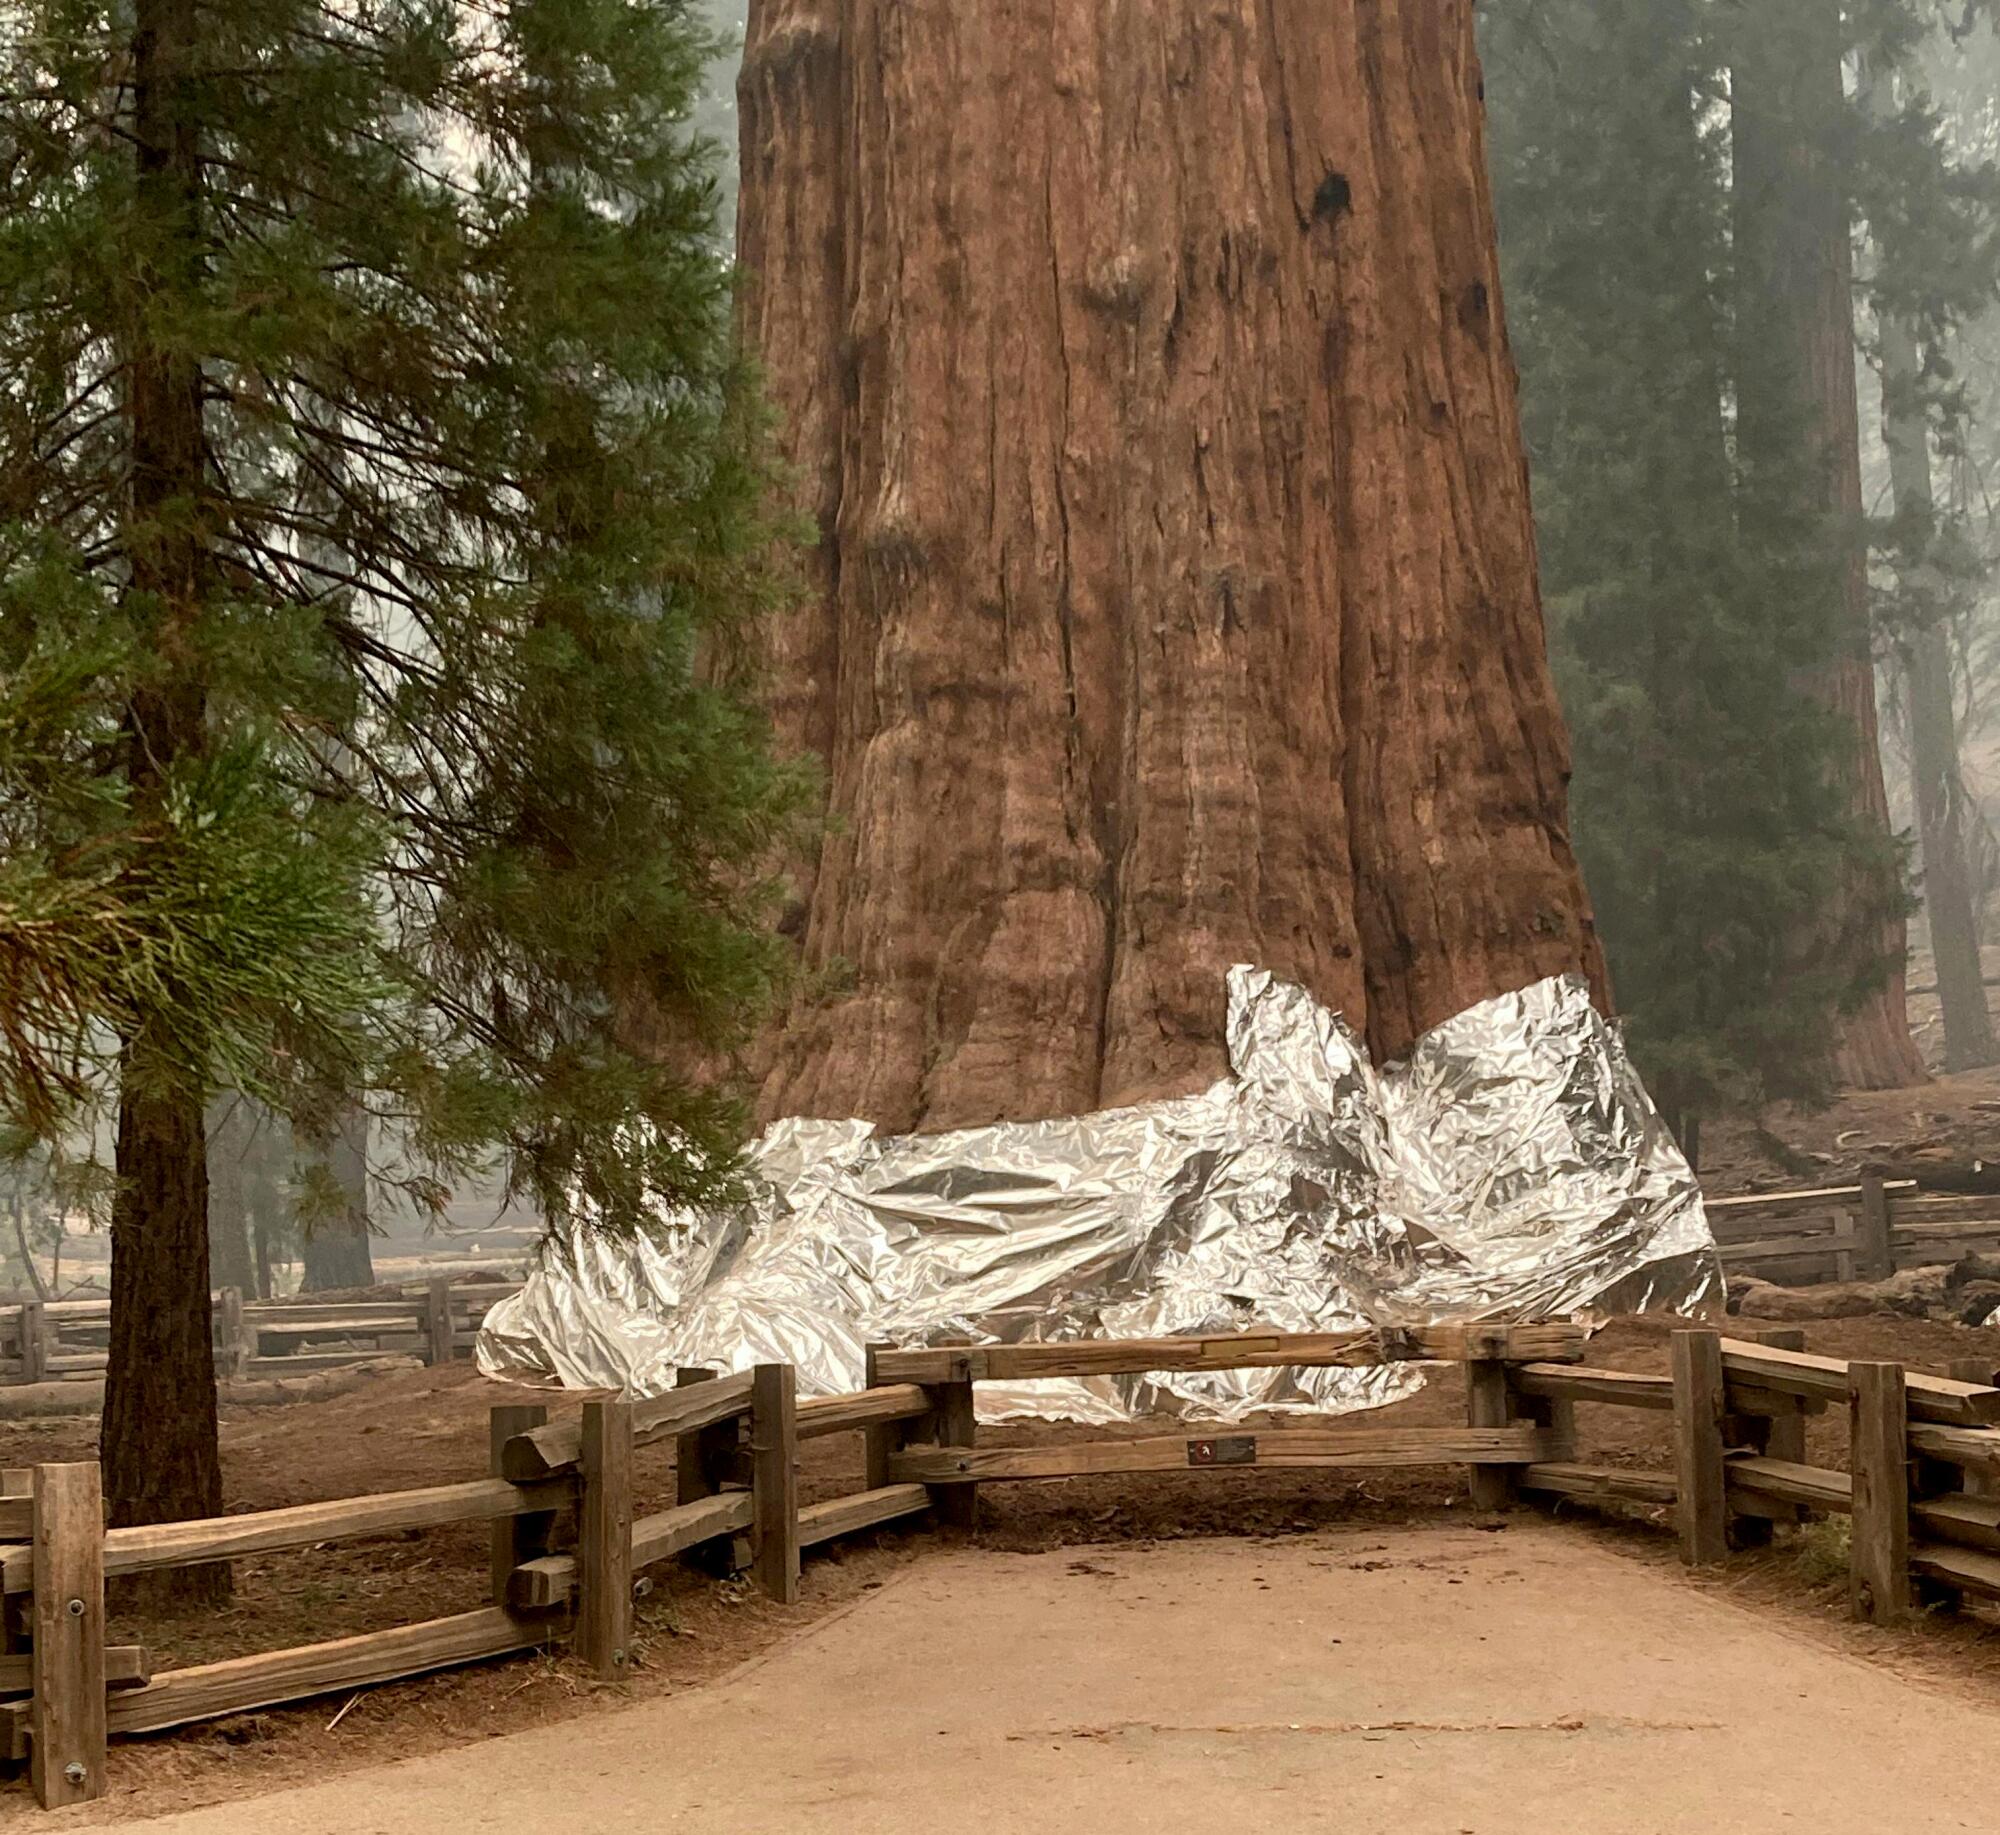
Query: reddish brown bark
x,y
1145,368
1796,264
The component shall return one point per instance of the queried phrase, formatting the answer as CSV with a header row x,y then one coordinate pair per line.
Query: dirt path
x,y
1426,1682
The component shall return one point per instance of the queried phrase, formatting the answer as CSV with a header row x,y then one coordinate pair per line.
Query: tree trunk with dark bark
x,y
159,1448
1144,365
1795,264
159,1430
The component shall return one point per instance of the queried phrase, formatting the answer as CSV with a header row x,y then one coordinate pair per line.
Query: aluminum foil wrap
x,y
1512,1167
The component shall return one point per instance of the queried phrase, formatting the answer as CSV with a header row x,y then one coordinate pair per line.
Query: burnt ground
x,y
424,1427
1951,1119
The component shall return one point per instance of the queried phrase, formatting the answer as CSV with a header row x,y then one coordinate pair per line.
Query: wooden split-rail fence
x,y
1862,1232
569,1548
1921,1487
59,1340
568,1545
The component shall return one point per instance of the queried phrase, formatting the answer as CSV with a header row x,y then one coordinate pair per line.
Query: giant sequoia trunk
x,y
1796,273
1144,365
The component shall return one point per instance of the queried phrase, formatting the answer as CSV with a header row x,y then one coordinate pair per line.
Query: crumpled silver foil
x,y
1512,1167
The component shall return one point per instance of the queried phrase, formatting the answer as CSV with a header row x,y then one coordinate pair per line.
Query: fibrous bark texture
x,y
1144,365
1796,265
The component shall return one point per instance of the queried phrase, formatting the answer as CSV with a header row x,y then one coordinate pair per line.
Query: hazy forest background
x,y
1661,169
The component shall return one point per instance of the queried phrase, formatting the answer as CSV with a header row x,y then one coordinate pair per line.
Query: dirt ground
x,y
1425,1681
1953,1118
427,1427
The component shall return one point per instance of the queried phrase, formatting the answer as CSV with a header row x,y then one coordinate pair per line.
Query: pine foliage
x,y
381,508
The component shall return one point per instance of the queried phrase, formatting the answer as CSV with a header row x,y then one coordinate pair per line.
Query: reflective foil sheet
x,y
1513,1167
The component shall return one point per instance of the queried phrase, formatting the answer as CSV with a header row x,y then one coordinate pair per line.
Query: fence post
x,y
1702,1510
437,1319
67,1712
34,1343
1878,1250
1783,1436
1980,1370
953,1422
604,1540
880,1440
1780,1436
229,1331
524,1537
1489,1402
1879,1533
704,1462
774,1479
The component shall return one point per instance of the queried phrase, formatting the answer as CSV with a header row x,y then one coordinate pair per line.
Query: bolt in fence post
x,y
774,1479
1702,1509
34,1343
67,1715
1489,1402
437,1318
1878,1553
524,1537
604,1540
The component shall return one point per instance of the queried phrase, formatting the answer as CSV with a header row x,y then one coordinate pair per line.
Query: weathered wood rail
x,y
59,1340
1865,1232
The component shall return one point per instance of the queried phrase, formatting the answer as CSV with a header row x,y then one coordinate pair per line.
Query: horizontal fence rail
x,y
1240,1351
67,1340
1862,1232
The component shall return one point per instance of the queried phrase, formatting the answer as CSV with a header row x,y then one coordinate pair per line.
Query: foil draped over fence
x,y
1512,1167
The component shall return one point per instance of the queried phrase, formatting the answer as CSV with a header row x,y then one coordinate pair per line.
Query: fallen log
x,y
1914,1293
1975,1176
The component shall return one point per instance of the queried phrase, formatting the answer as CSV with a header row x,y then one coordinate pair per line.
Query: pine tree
x,y
1689,598
380,510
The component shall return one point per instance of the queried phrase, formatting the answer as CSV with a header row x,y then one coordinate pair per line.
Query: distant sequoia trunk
x,y
1796,260
1176,606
